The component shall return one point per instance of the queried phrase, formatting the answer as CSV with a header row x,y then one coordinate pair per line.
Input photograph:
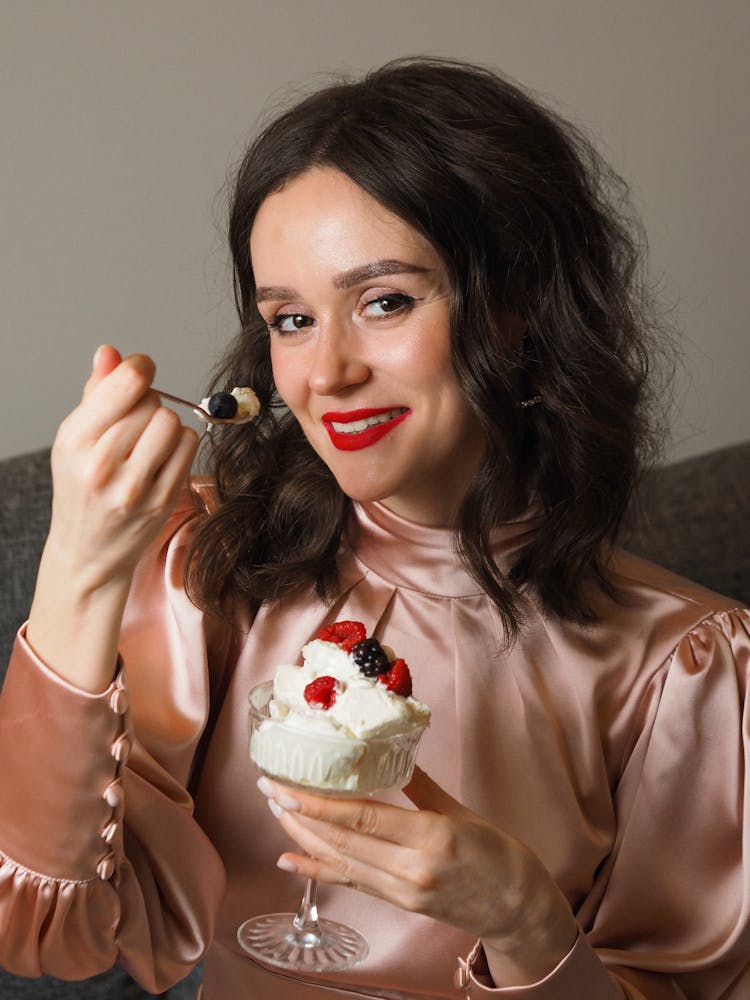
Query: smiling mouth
x,y
357,426
362,428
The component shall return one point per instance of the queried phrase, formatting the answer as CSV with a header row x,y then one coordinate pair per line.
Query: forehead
x,y
326,221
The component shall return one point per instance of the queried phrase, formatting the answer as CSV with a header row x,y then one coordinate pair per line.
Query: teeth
x,y
357,426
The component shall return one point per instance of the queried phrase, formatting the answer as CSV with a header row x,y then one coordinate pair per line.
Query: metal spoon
x,y
204,414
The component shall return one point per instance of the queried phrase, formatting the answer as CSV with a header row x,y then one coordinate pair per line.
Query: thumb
x,y
106,359
427,794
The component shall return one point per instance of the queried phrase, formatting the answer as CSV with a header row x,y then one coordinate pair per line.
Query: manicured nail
x,y
265,786
288,803
275,808
286,866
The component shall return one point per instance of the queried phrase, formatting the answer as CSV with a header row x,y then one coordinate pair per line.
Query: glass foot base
x,y
327,946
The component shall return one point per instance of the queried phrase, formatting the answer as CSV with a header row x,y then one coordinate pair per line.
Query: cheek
x,y
428,351
286,378
431,367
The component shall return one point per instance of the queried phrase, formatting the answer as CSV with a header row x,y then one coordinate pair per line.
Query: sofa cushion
x,y
693,517
25,495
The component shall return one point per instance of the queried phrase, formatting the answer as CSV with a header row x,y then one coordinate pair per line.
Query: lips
x,y
355,429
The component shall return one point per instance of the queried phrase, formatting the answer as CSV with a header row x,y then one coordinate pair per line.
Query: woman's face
x,y
357,304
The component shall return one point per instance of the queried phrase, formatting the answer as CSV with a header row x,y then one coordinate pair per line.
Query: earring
x,y
526,403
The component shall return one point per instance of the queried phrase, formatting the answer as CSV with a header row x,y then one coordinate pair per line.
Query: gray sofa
x,y
693,519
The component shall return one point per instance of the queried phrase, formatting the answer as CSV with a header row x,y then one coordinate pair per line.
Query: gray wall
x,y
121,118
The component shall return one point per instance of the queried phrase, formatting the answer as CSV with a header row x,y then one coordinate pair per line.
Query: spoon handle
x,y
198,410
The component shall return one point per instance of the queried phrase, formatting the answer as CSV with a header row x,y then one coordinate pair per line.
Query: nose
x,y
337,362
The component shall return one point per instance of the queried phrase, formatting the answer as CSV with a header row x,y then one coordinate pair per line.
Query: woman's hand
x,y
118,462
441,860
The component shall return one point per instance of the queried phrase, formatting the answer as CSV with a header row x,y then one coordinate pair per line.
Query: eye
x,y
289,322
385,305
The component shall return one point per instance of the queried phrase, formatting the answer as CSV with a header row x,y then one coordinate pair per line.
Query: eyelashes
x,y
289,323
393,302
379,308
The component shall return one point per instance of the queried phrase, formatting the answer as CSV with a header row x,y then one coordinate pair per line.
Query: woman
x,y
430,252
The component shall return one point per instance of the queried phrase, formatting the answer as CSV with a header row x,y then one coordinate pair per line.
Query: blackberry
x,y
222,405
369,656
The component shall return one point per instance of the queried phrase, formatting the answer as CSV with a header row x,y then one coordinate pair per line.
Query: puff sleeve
x,y
101,859
668,917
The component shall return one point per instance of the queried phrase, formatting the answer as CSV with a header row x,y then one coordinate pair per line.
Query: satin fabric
x,y
615,751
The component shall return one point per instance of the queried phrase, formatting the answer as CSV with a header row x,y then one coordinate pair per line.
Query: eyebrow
x,y
347,279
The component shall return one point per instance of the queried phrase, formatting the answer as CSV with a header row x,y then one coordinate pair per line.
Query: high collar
x,y
423,558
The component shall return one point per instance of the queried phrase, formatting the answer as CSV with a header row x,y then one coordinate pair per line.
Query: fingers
x,y
409,877
369,816
116,444
327,840
121,437
106,359
342,857
111,393
155,443
370,881
404,855
174,472
365,816
148,455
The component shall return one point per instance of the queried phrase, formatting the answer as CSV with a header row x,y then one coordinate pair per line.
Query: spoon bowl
x,y
202,413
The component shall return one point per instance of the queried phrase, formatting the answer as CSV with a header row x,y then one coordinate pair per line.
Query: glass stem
x,y
306,919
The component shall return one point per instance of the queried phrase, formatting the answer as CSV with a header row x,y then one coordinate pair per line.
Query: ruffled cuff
x,y
61,751
579,974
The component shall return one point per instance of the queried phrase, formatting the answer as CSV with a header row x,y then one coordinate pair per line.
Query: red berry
x,y
322,691
344,634
398,678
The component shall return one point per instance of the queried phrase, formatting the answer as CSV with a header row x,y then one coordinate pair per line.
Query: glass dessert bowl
x,y
314,759
344,724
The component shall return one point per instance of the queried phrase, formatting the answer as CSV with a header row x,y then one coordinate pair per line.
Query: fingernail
x,y
94,360
286,866
265,786
288,803
275,808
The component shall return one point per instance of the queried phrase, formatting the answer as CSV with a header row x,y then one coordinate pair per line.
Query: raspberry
x,y
398,678
344,634
322,691
370,658
222,405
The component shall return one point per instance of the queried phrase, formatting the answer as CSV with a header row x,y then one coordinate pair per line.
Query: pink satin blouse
x,y
615,751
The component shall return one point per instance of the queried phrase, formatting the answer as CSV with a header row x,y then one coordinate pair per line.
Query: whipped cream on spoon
x,y
240,406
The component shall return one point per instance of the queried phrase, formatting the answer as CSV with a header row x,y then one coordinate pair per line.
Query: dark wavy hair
x,y
528,221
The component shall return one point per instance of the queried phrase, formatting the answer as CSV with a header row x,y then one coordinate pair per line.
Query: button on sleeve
x,y
59,773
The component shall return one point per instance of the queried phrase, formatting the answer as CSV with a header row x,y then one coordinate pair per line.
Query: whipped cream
x,y
365,739
248,404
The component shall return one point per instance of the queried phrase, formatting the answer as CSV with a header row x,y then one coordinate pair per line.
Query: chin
x,y
362,492
364,496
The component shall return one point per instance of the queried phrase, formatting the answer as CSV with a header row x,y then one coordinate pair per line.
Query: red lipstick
x,y
353,440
